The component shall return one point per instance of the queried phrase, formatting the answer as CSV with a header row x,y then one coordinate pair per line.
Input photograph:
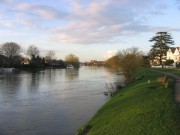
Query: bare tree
x,y
11,50
32,51
50,55
129,61
113,62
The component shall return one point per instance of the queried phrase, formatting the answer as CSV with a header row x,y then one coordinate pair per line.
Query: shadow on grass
x,y
152,87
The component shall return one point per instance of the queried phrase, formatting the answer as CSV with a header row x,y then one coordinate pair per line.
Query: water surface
x,y
50,102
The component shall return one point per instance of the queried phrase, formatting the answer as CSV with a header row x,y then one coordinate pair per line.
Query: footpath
x,y
177,84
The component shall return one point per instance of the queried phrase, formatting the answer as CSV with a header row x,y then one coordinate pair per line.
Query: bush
x,y
169,62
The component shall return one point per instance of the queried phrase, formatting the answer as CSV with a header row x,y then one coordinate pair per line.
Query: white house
x,y
173,53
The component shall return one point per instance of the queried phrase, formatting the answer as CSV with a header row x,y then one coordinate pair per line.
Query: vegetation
x,y
146,61
73,60
32,51
3,61
127,61
50,56
173,71
11,51
138,109
169,62
113,62
130,61
11,56
162,40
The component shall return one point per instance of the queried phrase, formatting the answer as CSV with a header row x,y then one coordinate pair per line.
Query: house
x,y
173,53
24,61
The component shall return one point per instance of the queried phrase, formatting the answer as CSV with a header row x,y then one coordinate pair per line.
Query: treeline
x,y
128,62
12,55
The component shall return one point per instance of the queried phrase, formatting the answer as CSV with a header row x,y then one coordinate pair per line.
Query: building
x,y
173,53
24,61
95,63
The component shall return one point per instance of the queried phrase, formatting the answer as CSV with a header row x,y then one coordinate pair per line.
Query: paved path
x,y
177,84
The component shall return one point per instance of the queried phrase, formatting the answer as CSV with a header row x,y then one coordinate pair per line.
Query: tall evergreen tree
x,y
162,41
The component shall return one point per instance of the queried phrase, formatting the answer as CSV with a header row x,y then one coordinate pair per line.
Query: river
x,y
52,101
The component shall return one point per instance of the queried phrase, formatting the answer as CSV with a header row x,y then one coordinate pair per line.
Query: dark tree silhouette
x,y
12,51
32,51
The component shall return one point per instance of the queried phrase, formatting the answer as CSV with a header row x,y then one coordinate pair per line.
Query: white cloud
x,y
101,21
110,53
87,22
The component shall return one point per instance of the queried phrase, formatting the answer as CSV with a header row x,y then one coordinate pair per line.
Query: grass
x,y
173,71
138,109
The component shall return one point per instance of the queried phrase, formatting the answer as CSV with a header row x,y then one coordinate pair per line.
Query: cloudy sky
x,y
90,29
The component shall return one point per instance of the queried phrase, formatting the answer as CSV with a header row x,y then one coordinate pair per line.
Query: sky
x,y
90,29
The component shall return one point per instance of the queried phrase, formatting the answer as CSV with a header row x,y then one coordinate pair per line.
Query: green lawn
x,y
137,109
173,71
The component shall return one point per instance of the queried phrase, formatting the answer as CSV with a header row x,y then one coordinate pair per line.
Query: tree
x,y
32,51
11,50
73,60
3,61
37,62
49,56
35,59
169,62
162,40
146,60
113,62
130,60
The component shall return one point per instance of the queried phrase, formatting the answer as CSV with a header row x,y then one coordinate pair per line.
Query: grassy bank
x,y
173,71
138,109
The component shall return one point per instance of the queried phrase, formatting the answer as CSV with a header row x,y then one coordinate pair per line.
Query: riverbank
x,y
175,71
138,109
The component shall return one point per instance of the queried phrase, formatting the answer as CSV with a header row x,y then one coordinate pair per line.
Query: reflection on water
x,y
50,102
72,74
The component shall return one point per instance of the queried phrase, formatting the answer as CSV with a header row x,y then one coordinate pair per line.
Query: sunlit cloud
x,y
100,22
110,53
85,22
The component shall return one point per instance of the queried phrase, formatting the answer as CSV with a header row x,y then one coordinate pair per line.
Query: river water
x,y
52,101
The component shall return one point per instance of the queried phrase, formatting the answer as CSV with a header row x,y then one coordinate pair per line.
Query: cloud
x,y
85,21
101,21
44,12
169,29
86,33
110,53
